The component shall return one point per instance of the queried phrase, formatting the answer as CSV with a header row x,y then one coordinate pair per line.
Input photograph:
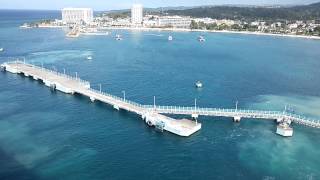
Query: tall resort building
x,y
136,14
77,15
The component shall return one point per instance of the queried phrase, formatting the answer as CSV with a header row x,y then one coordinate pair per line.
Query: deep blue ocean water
x,y
51,135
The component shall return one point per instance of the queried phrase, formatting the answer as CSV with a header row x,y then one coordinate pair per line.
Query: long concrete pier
x,y
72,85
151,114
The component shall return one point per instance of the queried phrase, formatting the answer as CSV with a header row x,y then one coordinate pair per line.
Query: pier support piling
x,y
279,120
194,116
236,119
116,107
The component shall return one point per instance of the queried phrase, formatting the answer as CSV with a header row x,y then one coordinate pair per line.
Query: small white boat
x,y
25,26
118,37
284,129
170,38
89,57
73,34
199,84
201,39
1,49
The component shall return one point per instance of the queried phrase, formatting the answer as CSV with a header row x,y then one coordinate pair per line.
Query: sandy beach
x,y
193,30
213,31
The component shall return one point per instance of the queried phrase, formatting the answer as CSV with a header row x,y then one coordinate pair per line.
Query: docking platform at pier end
x,y
153,115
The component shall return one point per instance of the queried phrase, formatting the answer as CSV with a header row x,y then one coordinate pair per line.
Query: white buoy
x,y
199,84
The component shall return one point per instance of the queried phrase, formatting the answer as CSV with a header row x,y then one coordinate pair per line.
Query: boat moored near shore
x,y
73,34
201,39
25,26
119,37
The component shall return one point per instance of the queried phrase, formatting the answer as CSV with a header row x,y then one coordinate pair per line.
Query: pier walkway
x,y
235,113
153,115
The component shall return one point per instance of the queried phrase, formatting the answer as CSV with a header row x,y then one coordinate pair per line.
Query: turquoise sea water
x,y
51,135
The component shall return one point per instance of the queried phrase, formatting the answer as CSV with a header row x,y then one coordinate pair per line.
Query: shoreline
x,y
214,31
196,30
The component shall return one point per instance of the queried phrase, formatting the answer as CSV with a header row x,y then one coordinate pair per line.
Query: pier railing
x,y
234,112
113,97
82,82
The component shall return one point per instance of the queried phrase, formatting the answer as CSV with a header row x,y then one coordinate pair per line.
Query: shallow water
x,y
51,135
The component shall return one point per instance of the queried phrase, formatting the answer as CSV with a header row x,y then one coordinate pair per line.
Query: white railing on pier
x,y
234,112
83,82
116,98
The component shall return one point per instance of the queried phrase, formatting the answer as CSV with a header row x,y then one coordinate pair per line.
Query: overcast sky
x,y
124,4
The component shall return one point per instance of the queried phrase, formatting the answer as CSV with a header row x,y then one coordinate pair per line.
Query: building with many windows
x,y
137,14
77,15
174,21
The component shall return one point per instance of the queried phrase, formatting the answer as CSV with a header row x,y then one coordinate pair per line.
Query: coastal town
x,y
82,20
156,89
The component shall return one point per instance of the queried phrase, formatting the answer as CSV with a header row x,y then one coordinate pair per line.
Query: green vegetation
x,y
46,21
315,32
119,15
214,26
194,25
305,12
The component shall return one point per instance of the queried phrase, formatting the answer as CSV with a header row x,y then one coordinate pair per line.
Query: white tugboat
x,y
199,84
284,129
118,37
170,38
1,49
201,39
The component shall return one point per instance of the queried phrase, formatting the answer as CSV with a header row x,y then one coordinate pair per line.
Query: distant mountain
x,y
301,12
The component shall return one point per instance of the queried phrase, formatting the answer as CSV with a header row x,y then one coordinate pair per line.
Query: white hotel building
x,y
174,21
136,15
77,15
